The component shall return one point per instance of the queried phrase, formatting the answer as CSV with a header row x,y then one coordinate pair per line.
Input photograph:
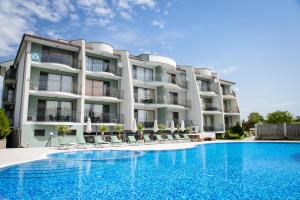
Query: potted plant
x,y
161,127
103,129
140,128
119,129
189,129
64,129
4,128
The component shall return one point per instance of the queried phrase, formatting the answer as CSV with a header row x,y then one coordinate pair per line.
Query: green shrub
x,y
237,129
4,125
64,129
103,128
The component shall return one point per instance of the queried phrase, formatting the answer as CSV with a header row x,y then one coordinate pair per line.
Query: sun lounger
x,y
132,140
161,139
116,141
99,141
186,137
147,139
81,143
63,142
170,138
180,139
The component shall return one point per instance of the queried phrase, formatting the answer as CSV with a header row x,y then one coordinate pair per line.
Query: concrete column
x,y
285,130
220,98
26,83
195,112
127,105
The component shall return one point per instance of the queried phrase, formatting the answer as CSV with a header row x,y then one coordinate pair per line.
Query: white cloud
x,y
24,16
126,15
159,23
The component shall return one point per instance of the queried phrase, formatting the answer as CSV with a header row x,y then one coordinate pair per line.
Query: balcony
x,y
172,81
54,89
174,101
98,117
147,124
178,122
231,110
59,56
213,127
52,116
211,107
110,94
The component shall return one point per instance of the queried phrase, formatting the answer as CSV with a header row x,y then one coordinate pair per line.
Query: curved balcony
x,y
157,60
100,47
213,127
54,89
175,84
231,111
208,90
109,95
211,108
55,66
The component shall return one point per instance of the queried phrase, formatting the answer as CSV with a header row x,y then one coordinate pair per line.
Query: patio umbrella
x,y
182,127
134,128
172,128
155,127
88,126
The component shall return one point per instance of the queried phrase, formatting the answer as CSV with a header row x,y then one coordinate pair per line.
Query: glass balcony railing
x,y
231,110
60,58
213,127
211,107
55,86
52,116
99,117
173,101
105,67
147,124
108,92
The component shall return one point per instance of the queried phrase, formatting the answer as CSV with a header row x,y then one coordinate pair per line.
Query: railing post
x,y
285,130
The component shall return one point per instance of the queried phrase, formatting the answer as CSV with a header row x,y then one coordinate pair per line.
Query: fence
x,y
278,131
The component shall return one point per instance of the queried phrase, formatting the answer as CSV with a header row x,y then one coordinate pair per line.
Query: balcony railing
x,y
231,110
147,124
54,86
97,117
213,127
170,79
49,116
61,58
211,107
207,88
229,92
173,101
178,122
105,67
144,100
108,92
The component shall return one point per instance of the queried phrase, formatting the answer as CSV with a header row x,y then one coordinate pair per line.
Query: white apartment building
x,y
59,82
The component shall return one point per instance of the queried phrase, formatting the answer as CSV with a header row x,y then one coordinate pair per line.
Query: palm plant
x,y
64,129
119,128
161,127
178,128
4,125
140,128
103,129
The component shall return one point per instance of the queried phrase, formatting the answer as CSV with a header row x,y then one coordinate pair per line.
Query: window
x,y
39,132
98,113
97,64
142,73
55,111
56,82
144,115
55,55
203,85
144,95
173,98
97,88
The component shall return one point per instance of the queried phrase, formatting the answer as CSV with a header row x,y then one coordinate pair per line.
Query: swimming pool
x,y
210,171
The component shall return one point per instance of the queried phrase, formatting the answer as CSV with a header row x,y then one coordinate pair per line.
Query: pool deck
x,y
20,155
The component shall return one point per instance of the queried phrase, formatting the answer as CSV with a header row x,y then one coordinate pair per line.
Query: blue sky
x,y
255,43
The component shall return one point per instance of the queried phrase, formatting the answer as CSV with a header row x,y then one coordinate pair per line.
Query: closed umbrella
x,y
155,128
182,127
134,128
172,128
88,126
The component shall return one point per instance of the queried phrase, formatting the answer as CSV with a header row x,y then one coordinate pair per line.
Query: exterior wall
x,y
27,104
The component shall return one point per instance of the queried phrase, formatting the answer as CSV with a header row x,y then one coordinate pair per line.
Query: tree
x,y
255,118
119,128
279,117
4,125
64,129
103,128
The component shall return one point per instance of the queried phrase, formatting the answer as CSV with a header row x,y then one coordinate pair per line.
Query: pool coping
x,y
187,145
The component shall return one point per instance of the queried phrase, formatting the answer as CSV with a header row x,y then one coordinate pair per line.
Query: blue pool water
x,y
212,171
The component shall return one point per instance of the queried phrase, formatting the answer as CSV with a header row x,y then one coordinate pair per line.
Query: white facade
x,y
64,82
